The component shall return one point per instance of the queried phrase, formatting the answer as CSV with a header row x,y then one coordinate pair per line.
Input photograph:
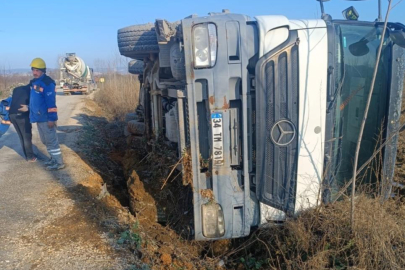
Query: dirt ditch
x,y
161,205
160,231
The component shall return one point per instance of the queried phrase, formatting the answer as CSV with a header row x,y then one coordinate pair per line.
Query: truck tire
x,y
135,67
130,117
136,128
137,41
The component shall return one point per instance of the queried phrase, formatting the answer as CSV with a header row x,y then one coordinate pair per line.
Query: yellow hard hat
x,y
38,63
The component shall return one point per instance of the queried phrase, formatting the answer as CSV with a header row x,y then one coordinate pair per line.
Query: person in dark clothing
x,y
20,118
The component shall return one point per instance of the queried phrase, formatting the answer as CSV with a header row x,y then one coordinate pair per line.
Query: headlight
x,y
205,45
213,220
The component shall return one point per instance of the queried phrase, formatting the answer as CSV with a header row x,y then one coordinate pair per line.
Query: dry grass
x,y
9,81
323,239
187,167
119,94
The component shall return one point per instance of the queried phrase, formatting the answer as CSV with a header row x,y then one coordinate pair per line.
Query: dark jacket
x,y
20,96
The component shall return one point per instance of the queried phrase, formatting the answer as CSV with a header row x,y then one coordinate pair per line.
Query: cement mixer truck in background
x,y
75,75
269,108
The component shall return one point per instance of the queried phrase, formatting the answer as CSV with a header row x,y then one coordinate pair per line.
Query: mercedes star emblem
x,y
283,132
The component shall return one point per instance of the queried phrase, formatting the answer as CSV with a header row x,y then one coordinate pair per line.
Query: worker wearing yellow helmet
x,y
38,63
44,112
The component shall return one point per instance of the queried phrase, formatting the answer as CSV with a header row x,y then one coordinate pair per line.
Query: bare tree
x,y
363,123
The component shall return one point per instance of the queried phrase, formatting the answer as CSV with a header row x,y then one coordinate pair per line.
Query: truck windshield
x,y
356,57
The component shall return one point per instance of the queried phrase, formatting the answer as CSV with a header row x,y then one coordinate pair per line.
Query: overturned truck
x,y
270,109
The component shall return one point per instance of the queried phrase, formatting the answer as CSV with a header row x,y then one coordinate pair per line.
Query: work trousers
x,y
22,125
50,140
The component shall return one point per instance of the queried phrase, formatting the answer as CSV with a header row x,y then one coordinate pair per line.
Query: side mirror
x,y
398,37
359,48
324,15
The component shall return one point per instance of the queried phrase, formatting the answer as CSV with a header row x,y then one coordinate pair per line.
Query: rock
x,y
221,263
166,259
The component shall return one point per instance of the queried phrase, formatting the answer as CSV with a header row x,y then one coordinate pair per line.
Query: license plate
x,y
217,139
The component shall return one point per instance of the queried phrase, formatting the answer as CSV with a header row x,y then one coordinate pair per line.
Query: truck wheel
x,y
136,128
130,117
137,41
135,67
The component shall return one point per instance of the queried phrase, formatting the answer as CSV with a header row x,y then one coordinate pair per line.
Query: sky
x,y
51,28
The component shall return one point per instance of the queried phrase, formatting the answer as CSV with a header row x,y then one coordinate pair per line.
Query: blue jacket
x,y
43,100
4,118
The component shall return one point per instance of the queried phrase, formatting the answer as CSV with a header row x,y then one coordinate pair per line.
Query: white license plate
x,y
217,138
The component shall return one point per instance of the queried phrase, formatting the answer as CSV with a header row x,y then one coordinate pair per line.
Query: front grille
x,y
277,109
